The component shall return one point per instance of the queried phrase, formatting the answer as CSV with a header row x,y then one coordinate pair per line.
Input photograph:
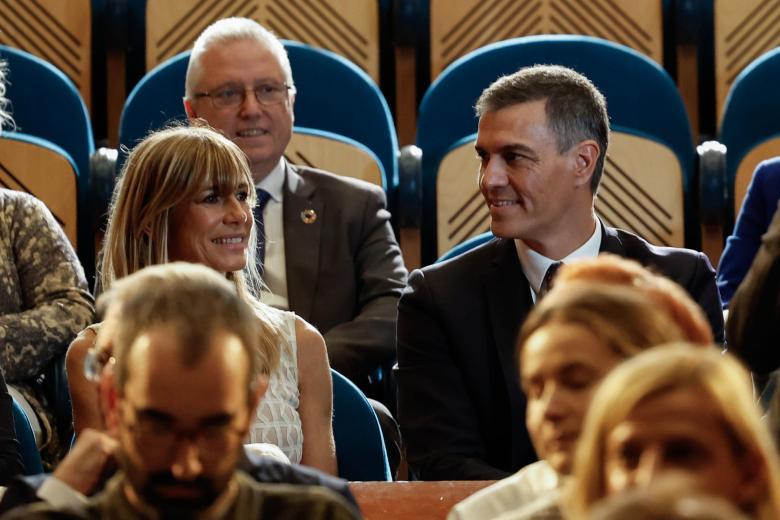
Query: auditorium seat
x,y
44,170
46,104
744,31
58,32
749,127
27,448
647,184
456,28
360,448
467,245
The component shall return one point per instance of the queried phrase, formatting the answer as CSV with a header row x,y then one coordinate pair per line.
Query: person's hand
x,y
91,457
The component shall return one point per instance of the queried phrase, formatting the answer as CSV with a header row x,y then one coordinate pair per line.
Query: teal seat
x,y
648,181
360,447
28,449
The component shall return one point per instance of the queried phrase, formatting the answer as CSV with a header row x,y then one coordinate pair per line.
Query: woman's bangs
x,y
227,173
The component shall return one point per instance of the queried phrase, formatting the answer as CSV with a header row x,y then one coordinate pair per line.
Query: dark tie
x,y
262,199
549,277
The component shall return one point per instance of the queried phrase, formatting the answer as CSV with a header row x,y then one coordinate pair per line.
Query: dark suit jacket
x,y
461,410
345,272
756,213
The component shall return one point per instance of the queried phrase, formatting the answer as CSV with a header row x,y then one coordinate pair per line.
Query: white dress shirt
x,y
535,265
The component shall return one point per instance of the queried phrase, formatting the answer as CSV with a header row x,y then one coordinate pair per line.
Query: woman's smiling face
x,y
212,228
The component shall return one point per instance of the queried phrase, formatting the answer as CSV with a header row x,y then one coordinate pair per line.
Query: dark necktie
x,y
549,277
262,199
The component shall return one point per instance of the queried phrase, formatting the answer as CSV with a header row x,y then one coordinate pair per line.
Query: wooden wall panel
x,y
347,27
460,26
57,31
744,30
45,174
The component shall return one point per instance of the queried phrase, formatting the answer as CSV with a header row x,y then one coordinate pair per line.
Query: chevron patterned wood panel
x,y
56,31
460,210
460,26
334,156
347,27
641,190
45,174
744,30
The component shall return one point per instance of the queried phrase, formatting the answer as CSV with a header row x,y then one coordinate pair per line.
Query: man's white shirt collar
x,y
273,183
535,265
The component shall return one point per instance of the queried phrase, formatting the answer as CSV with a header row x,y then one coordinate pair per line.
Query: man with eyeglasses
x,y
180,394
329,252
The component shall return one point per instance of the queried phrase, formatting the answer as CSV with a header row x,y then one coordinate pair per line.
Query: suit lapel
x,y
509,301
301,242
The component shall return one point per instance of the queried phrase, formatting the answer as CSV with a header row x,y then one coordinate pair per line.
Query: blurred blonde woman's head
x,y
568,344
608,268
681,410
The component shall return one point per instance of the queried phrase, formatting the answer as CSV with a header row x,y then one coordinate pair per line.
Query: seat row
x,y
654,182
106,46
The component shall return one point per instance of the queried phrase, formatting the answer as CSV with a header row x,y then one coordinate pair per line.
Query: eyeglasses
x,y
158,438
95,361
231,96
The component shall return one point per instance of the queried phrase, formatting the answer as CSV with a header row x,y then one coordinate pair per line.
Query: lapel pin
x,y
309,216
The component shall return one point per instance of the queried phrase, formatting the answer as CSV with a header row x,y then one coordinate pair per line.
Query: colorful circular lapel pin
x,y
309,216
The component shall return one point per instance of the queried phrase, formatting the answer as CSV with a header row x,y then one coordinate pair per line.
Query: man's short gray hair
x,y
575,108
230,30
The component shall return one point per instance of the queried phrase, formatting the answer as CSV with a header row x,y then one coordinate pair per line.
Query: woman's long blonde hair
x,y
166,169
665,368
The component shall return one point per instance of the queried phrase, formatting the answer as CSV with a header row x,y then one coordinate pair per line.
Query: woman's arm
x,y
53,300
83,392
316,399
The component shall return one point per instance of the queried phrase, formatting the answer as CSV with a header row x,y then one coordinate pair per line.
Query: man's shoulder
x,y
479,258
637,248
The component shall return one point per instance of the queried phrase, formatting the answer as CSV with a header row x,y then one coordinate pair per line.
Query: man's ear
x,y
586,154
189,108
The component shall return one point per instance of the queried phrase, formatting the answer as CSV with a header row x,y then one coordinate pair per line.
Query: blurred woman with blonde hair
x,y
677,410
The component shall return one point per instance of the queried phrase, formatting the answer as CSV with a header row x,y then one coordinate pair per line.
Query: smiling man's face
x,y
262,131
530,188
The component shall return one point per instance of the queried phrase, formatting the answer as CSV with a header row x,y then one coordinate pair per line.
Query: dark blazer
x,y
756,213
461,410
345,272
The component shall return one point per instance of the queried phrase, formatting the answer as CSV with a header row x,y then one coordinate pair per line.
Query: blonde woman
x,y
677,410
186,194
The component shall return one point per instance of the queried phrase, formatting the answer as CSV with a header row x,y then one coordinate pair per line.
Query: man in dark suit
x,y
329,252
543,136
